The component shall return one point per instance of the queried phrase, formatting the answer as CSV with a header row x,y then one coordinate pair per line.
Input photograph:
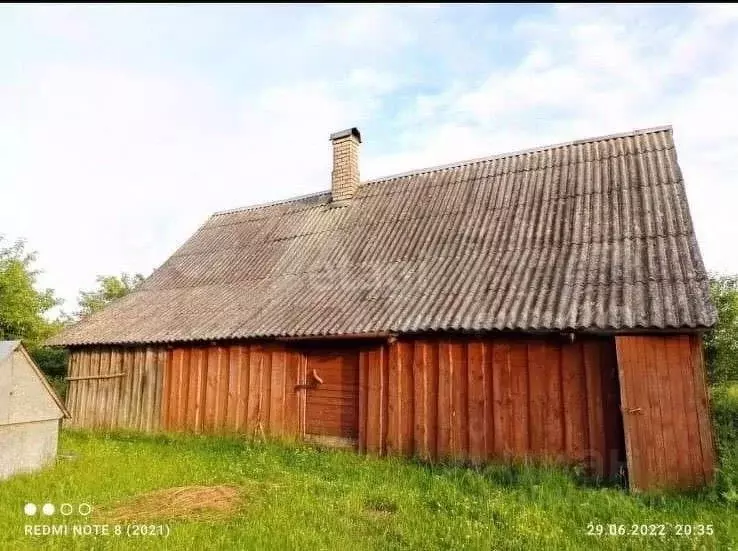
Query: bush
x,y
721,342
725,416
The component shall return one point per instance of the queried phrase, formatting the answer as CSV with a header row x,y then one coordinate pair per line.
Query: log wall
x,y
116,387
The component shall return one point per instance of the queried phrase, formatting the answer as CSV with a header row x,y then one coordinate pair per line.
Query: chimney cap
x,y
346,133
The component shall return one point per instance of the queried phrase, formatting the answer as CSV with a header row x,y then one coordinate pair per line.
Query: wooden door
x,y
665,411
332,396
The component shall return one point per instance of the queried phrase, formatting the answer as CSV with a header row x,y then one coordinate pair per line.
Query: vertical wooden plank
x,y
243,389
574,397
554,410
377,400
116,366
166,388
425,376
634,401
211,391
161,359
176,399
655,419
520,422
78,396
125,390
235,372
265,392
194,374
477,413
537,377
501,398
256,358
374,401
593,367
489,394
222,391
445,399
201,404
407,403
277,388
363,398
399,403
83,362
612,412
70,399
679,351
150,387
291,421
419,411
459,401
143,389
665,400
704,423
384,389
301,396
394,398
140,390
130,389
104,389
94,387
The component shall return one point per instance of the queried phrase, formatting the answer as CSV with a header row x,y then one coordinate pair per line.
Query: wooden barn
x,y
547,304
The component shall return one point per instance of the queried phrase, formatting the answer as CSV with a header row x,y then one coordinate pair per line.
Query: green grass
x,y
725,417
297,497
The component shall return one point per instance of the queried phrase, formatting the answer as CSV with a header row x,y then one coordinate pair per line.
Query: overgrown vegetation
x,y
25,307
725,418
295,497
721,343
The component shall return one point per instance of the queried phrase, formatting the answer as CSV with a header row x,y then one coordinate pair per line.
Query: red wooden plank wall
x,y
247,388
478,399
668,432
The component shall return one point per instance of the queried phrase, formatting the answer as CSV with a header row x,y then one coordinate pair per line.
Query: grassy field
x,y
296,497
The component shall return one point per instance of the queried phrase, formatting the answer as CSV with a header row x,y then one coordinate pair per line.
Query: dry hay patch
x,y
184,502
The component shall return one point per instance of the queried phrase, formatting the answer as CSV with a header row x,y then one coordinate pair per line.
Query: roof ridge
x,y
271,203
455,164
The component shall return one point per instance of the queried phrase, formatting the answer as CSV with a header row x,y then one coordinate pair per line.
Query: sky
x,y
123,127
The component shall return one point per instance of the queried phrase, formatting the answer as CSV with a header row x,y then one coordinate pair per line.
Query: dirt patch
x,y
184,502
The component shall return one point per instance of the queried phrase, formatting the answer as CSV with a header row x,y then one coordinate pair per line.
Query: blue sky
x,y
123,127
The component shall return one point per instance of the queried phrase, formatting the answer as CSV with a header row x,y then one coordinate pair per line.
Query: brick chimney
x,y
345,175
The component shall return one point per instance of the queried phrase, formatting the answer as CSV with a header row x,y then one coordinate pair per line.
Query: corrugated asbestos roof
x,y
590,235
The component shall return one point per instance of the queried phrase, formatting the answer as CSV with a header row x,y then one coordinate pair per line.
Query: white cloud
x,y
596,70
108,165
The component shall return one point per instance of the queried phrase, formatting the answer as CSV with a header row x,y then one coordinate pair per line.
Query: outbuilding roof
x,y
589,235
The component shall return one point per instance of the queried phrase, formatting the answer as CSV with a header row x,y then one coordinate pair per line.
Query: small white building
x,y
30,413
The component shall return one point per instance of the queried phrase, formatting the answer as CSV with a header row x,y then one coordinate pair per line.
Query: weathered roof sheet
x,y
594,234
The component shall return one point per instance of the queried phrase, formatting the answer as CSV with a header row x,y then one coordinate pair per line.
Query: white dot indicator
x,y
48,509
30,509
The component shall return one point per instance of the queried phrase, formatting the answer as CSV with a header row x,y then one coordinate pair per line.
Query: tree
x,y
109,289
721,342
23,306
